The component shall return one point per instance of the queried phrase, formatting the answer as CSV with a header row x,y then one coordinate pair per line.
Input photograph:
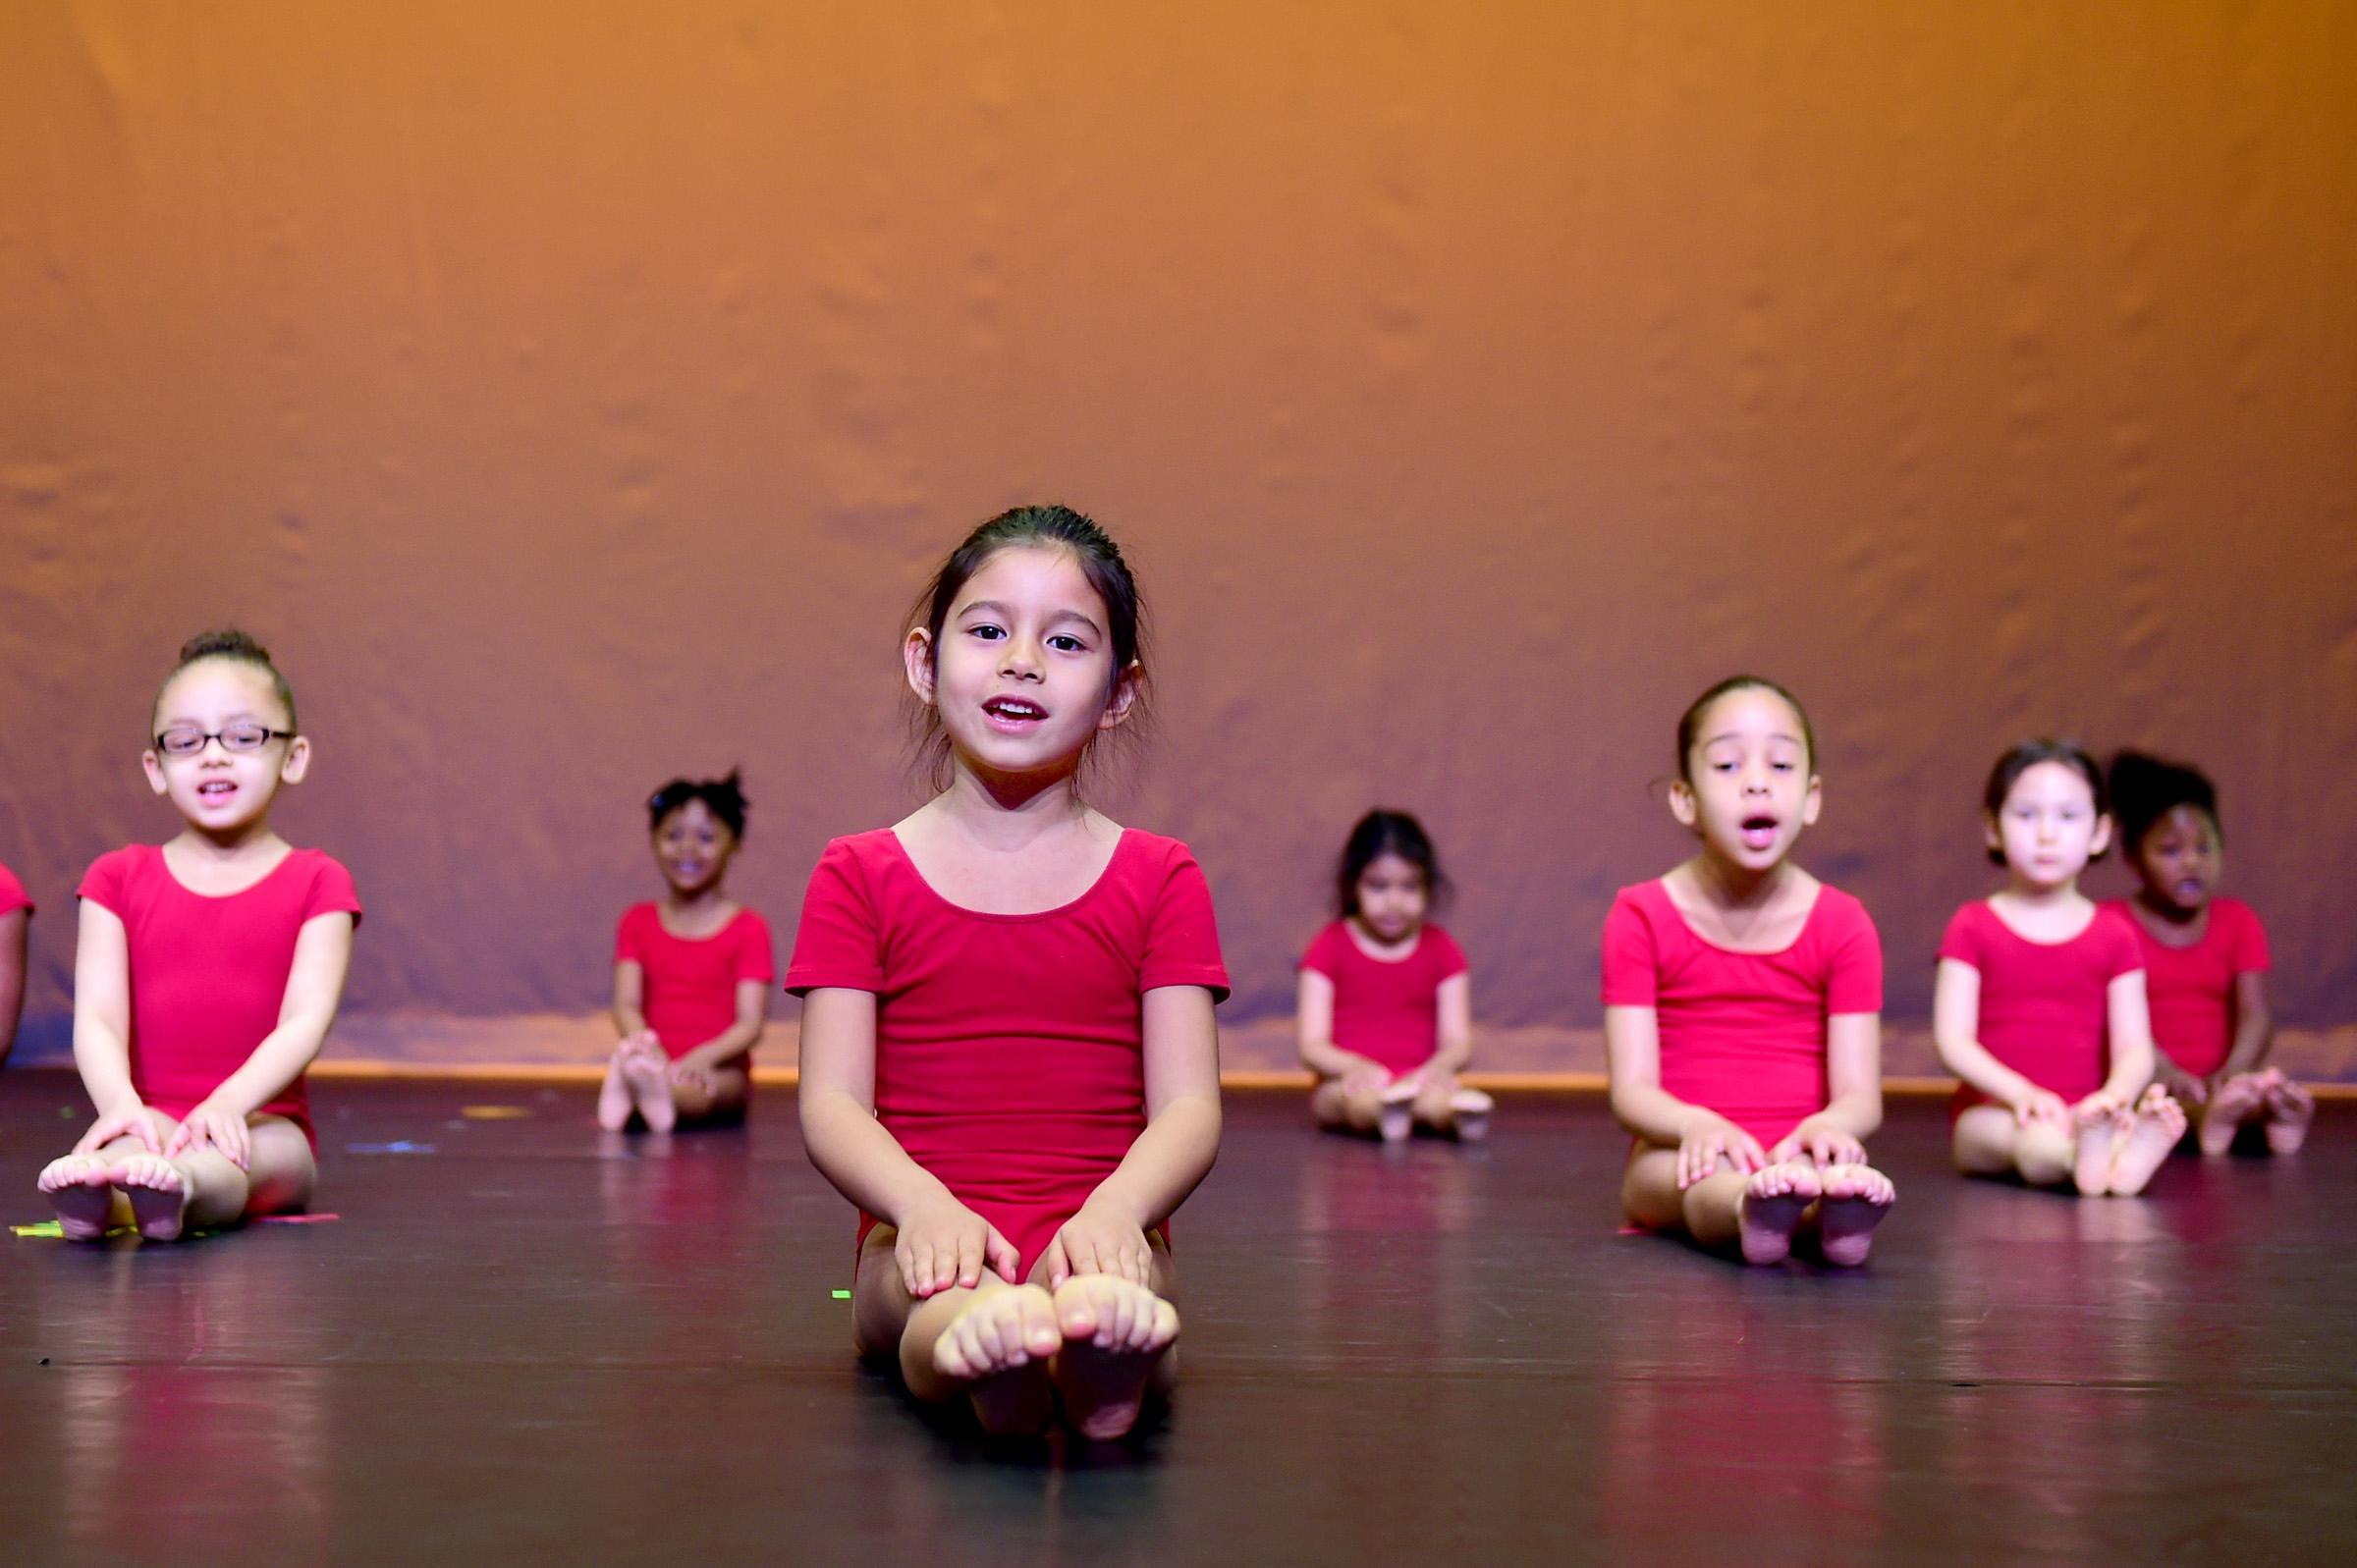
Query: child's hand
x,y
944,1244
1367,1078
2182,1086
129,1120
693,1074
210,1125
1821,1144
2097,1107
1710,1139
1093,1242
2039,1105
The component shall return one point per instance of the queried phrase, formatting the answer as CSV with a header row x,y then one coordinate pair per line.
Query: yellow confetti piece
x,y
493,1112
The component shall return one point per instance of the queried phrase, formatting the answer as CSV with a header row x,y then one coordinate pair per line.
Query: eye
x,y
987,632
1065,643
180,743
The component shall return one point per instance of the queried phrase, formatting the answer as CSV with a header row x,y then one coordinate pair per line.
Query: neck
x,y
1734,886
695,901
1007,811
227,844
2043,898
2160,908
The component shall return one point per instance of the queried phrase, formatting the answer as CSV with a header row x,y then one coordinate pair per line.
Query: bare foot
x,y
2098,1152
1113,1332
2159,1123
1002,1344
2237,1100
1857,1198
1473,1114
1397,1118
1771,1207
82,1189
2290,1108
614,1105
159,1192
646,1073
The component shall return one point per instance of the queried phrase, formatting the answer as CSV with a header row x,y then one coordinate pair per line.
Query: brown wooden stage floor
x,y
526,1342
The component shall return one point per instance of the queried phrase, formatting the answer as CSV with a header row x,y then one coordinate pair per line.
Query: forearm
x,y
863,1160
1170,1157
1859,1113
1330,1060
276,1063
2131,1070
1971,1062
1655,1114
103,1058
1451,1056
727,1049
628,1020
2252,1038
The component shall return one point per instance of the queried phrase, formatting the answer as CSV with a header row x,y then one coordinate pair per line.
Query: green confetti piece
x,y
46,1228
840,1295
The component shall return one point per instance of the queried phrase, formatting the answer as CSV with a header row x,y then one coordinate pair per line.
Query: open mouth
x,y
1758,830
1014,712
213,792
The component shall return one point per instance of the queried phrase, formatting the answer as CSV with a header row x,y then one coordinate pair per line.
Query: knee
x,y
2044,1156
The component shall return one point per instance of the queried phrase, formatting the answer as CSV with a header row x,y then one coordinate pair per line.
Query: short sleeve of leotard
x,y
1448,958
2124,950
1631,956
756,951
1962,940
1327,952
629,935
2246,937
1853,980
13,897
840,941
107,880
331,891
1183,935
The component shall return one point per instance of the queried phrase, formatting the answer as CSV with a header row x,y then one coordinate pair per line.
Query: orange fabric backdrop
x,y
574,394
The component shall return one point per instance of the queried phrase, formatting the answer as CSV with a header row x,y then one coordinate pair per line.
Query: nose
x,y
1021,659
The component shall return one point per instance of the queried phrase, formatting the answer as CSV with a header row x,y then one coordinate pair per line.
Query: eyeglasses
x,y
187,741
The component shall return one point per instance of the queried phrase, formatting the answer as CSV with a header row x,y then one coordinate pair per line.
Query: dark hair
x,y
723,798
2145,788
229,643
1692,721
1383,833
2027,755
1052,527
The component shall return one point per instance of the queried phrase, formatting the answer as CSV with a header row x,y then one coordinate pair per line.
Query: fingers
x,y
1785,1149
969,1258
1747,1153
1060,1265
999,1253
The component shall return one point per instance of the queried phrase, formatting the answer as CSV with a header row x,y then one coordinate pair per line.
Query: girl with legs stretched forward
x,y
1385,1015
207,974
1008,1059
2205,960
691,973
1742,1005
2038,986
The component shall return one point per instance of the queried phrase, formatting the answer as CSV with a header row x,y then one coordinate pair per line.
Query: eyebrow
x,y
1730,735
1005,612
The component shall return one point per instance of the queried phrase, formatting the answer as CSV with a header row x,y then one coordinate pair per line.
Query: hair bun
x,y
226,641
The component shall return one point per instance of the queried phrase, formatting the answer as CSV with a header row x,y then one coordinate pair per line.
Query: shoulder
x,y
1967,932
1328,947
1640,906
121,871
2233,915
1157,867
637,917
861,860
1841,920
749,926
320,883
1443,948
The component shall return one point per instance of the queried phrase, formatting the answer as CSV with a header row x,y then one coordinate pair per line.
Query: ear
x,y
917,655
1989,833
1812,802
154,766
298,760
1126,688
2101,839
1682,804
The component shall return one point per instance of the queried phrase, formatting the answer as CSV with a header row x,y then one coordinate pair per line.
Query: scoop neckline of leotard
x,y
164,863
1352,936
2092,920
1815,903
1120,846
721,931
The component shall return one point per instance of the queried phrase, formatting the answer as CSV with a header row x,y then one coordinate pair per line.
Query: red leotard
x,y
1743,1034
1008,1048
2192,989
13,897
1386,1009
690,995
208,976
2045,1007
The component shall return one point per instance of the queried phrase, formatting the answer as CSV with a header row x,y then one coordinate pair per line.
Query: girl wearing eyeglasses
x,y
238,942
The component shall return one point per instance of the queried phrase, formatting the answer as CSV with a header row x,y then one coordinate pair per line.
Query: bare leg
x,y
2291,1109
991,1344
2159,1124
1117,1340
724,1100
1989,1142
1434,1103
646,1073
1340,1108
1857,1198
1760,1211
2237,1101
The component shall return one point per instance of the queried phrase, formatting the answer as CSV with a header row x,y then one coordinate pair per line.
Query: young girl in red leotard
x,y
1386,1011
1742,1005
691,972
207,972
1007,1059
2040,1003
2205,960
